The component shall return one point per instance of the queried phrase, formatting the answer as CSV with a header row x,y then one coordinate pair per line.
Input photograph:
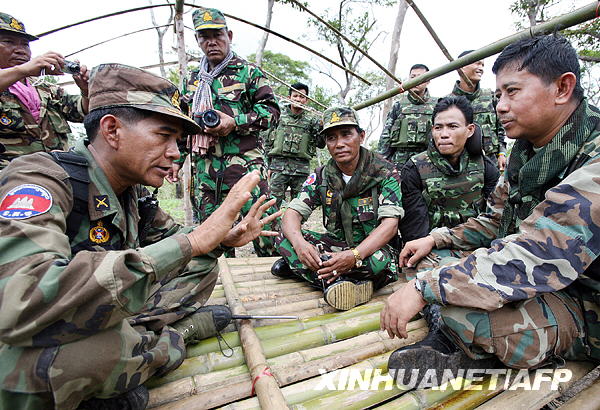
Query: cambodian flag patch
x,y
25,201
310,180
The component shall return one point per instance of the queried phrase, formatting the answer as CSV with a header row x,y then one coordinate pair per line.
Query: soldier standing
x,y
450,182
407,127
100,288
33,115
359,193
291,145
484,110
529,292
244,103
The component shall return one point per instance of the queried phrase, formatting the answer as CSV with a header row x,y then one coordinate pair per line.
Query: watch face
x,y
358,263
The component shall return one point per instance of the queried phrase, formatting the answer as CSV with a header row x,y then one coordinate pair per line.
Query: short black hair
x,y
299,86
547,57
457,101
464,53
129,115
419,66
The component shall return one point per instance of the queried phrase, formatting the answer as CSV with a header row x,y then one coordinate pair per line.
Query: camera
x,y
71,67
207,119
325,257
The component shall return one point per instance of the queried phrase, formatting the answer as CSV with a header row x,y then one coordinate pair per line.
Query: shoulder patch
x,y
310,180
25,201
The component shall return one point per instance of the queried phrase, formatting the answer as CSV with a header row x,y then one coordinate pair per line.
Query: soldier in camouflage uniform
x,y
408,124
484,109
291,145
529,292
451,181
33,117
245,103
359,193
98,290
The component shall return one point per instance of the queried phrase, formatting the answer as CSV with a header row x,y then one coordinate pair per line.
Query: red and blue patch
x,y
310,180
25,201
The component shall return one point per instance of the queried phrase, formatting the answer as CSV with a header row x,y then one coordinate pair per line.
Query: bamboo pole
x,y
276,346
438,41
304,107
279,80
521,398
570,19
251,261
288,369
267,389
588,399
282,329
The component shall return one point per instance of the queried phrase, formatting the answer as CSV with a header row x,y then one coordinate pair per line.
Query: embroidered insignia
x,y
4,120
15,24
329,194
335,118
310,180
175,99
101,203
99,234
207,16
25,201
365,201
327,201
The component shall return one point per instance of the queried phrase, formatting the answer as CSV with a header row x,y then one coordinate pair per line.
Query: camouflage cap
x,y
339,116
9,23
118,85
205,18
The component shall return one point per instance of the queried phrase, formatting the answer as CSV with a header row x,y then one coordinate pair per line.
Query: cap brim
x,y
189,126
210,26
29,37
337,124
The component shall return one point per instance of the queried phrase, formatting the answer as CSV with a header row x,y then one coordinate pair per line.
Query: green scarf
x,y
469,96
530,174
441,163
369,172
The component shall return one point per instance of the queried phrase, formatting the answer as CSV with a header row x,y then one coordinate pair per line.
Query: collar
x,y
470,96
416,101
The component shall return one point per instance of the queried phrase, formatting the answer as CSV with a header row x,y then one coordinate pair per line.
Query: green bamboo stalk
x,y
288,369
282,329
570,19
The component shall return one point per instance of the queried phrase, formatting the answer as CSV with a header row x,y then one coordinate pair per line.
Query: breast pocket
x,y
56,119
10,118
231,100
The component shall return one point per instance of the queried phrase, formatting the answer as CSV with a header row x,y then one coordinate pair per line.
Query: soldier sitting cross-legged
x,y
100,289
359,193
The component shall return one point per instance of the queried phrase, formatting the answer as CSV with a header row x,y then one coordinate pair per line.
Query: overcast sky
x,y
461,24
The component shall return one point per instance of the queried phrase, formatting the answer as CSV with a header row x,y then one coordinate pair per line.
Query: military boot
x,y
344,294
281,269
433,355
203,323
136,399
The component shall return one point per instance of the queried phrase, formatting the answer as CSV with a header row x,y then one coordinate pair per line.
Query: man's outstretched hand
x,y
251,227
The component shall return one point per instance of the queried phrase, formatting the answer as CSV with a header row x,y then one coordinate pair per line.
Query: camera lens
x,y
211,118
72,67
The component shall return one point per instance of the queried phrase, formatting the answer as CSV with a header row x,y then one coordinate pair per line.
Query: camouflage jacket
x,y
554,248
51,295
242,92
293,142
21,134
407,126
371,196
484,114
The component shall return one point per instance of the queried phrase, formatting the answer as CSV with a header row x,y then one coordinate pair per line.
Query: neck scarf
x,y
531,173
203,101
443,164
29,96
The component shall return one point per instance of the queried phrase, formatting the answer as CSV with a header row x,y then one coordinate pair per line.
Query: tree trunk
x,y
394,48
265,37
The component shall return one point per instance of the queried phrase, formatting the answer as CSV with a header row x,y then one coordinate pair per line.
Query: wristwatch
x,y
358,262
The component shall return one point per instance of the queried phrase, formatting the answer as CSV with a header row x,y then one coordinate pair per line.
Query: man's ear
x,y
565,85
110,130
471,128
362,136
230,35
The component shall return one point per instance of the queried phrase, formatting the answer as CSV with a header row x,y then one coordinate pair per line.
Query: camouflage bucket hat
x,y
339,116
118,85
204,19
9,23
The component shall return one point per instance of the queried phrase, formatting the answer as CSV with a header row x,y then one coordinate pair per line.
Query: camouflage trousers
x,y
280,182
211,186
381,267
123,357
523,334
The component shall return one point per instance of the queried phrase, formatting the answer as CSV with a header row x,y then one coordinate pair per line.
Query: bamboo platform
x,y
276,364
